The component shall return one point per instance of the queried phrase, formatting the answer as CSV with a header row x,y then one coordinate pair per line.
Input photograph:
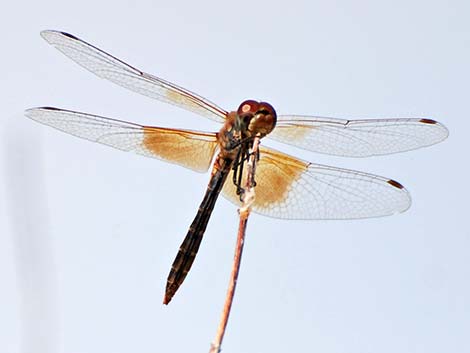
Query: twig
x,y
244,211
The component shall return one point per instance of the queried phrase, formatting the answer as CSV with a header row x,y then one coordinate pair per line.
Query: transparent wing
x,y
289,188
357,138
106,66
190,149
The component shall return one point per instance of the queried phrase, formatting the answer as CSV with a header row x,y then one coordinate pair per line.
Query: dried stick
x,y
244,211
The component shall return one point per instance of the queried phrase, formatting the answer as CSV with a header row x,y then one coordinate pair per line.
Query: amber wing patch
x,y
290,188
189,149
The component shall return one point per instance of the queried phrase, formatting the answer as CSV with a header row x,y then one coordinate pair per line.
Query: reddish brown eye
x,y
248,106
266,108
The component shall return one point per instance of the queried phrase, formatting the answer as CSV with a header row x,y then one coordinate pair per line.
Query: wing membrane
x,y
106,66
357,138
289,188
190,149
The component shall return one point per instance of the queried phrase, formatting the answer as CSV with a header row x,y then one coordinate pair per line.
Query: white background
x,y
88,234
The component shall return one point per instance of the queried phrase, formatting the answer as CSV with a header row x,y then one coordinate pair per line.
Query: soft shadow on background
x,y
32,248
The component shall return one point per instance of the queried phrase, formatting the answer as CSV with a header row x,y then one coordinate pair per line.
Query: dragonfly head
x,y
256,117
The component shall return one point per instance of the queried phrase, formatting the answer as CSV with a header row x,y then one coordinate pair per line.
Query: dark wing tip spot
x,y
68,35
33,110
428,121
395,184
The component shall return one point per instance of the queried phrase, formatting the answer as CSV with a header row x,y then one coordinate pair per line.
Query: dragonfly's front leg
x,y
238,173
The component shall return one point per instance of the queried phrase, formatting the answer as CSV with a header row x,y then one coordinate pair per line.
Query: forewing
x,y
106,66
289,188
358,138
190,149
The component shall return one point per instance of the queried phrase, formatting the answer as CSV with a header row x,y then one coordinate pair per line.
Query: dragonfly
x,y
286,187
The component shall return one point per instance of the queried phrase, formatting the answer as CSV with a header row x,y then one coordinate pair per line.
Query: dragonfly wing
x,y
190,149
289,188
107,66
357,138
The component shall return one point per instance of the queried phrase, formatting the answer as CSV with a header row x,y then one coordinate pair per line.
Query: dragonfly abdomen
x,y
190,246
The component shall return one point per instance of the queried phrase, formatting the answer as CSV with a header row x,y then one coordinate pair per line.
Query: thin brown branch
x,y
244,211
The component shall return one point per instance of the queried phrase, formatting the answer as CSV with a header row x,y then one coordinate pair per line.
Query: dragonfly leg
x,y
243,155
238,173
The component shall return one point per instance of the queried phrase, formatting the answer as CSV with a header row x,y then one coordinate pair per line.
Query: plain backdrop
x,y
88,233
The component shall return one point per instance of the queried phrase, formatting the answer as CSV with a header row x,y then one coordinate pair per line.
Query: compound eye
x,y
269,113
267,109
248,107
